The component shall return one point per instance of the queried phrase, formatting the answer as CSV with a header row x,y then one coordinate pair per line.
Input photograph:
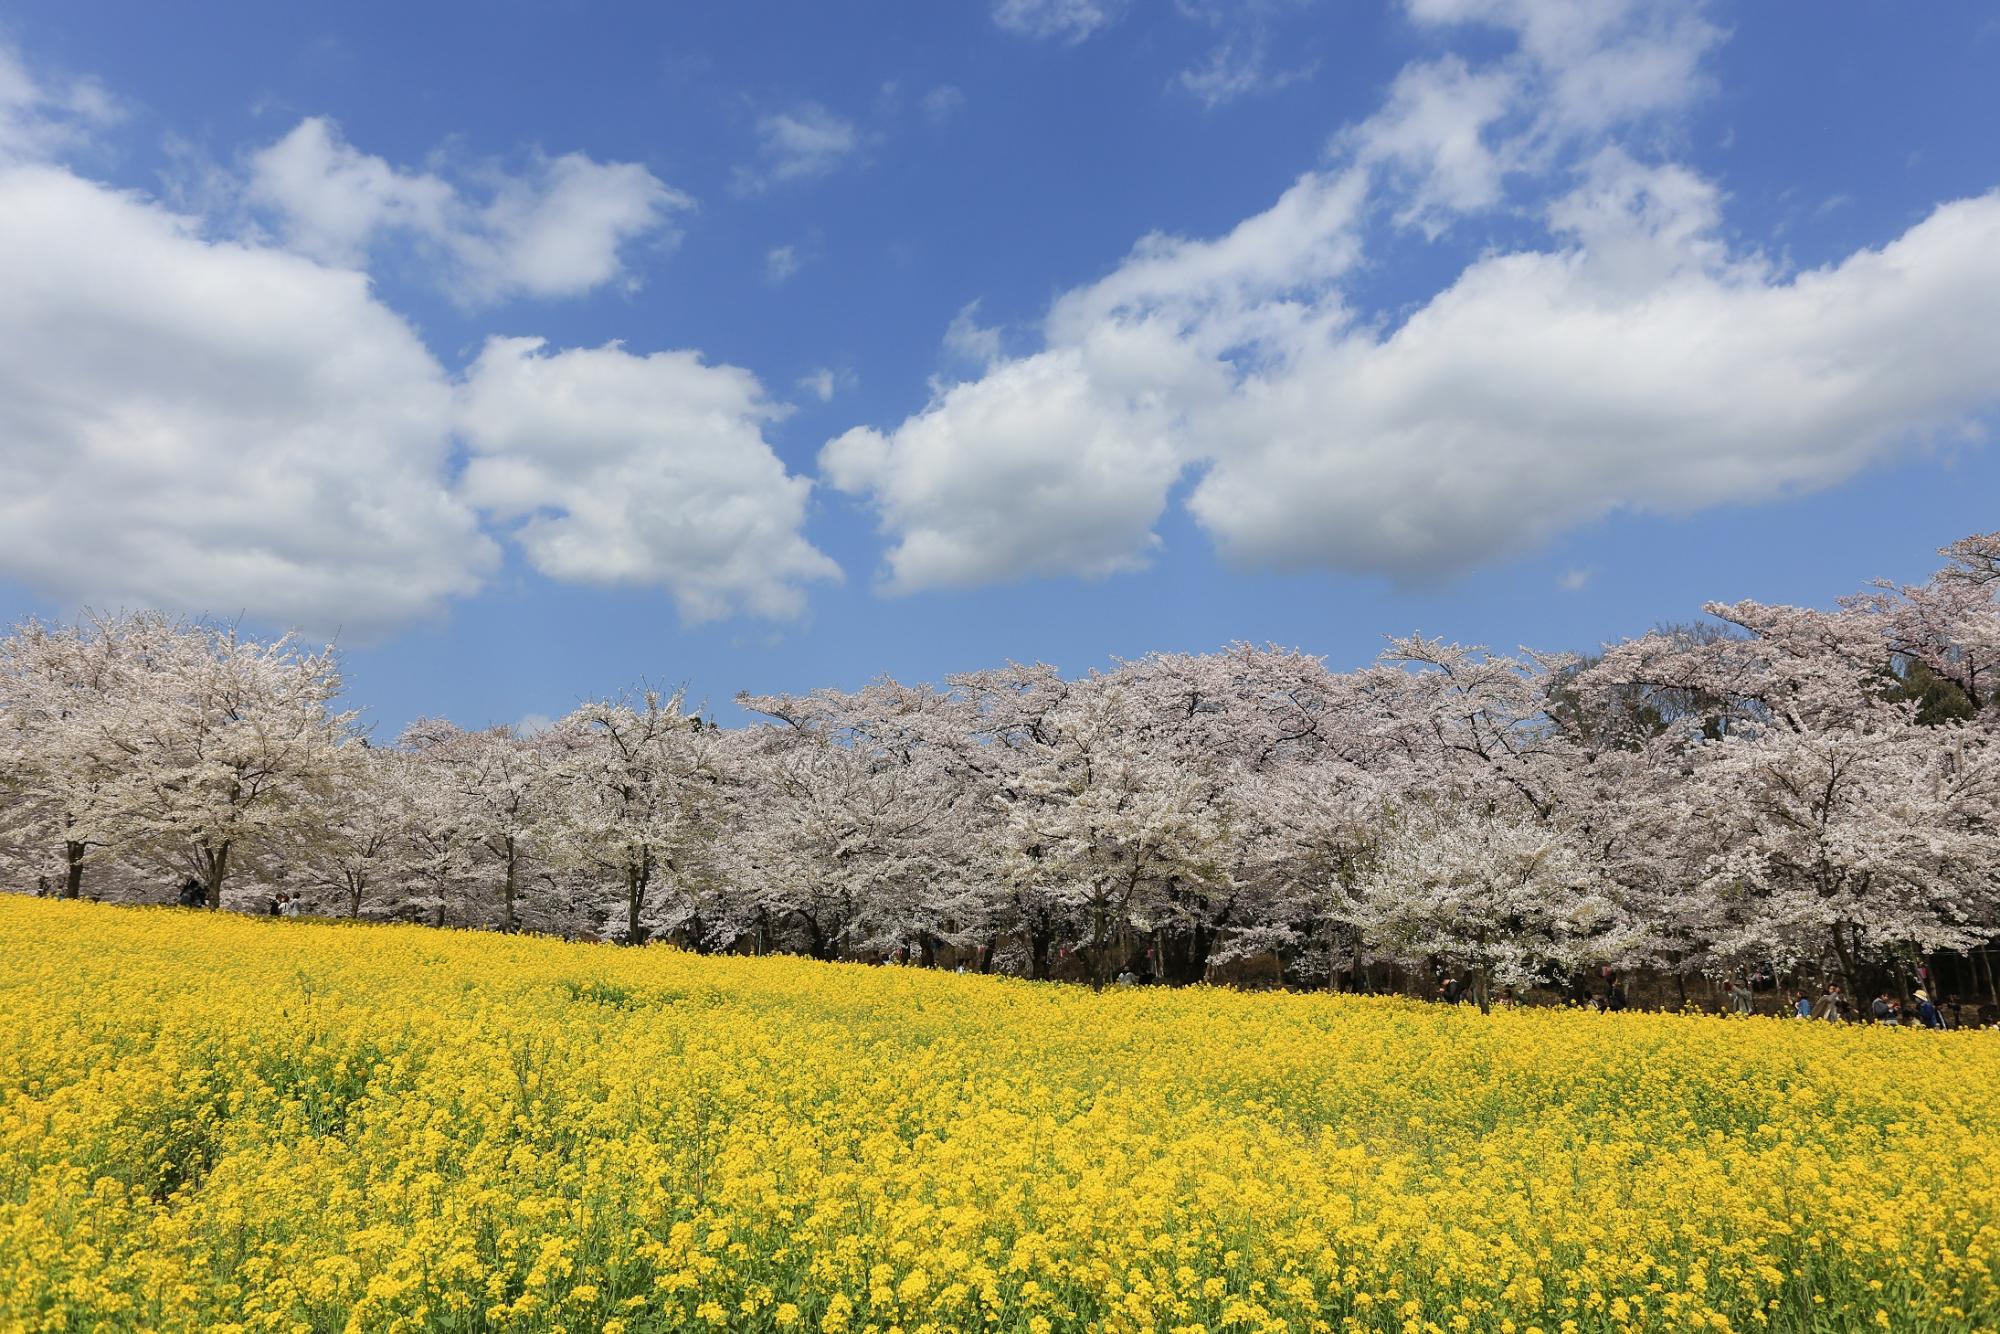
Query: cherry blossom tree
x,y
1505,897
360,849
637,792
227,748
489,787
1793,789
57,692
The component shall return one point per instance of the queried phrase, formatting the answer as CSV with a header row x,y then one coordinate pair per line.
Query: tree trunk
x,y
1186,955
1039,941
1099,946
72,869
635,903
513,881
1845,954
218,871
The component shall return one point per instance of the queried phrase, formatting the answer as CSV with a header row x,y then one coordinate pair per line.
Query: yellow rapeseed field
x,y
219,1123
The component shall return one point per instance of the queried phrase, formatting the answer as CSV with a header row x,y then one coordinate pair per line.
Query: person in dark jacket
x,y
1927,1013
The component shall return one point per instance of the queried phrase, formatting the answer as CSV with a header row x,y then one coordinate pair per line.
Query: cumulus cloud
x,y
617,469
213,427
801,144
1052,464
559,229
1060,463
1630,359
1640,365
1063,20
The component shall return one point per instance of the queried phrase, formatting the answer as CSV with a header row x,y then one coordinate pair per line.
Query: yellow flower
x,y
279,1129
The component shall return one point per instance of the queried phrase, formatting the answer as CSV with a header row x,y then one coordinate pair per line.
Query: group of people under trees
x,y
1919,1011
1806,793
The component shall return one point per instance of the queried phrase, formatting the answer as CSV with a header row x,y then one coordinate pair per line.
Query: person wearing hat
x,y
1927,1013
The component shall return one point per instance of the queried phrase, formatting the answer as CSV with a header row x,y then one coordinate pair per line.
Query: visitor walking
x,y
1927,1013
1738,994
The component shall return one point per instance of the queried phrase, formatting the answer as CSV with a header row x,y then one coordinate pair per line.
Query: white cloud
x,y
333,200
1605,60
224,426
1053,464
39,119
1584,66
1638,365
969,340
1063,20
1631,359
802,144
1431,135
1060,463
618,469
213,427
1449,135
781,262
1575,579
1263,274
559,230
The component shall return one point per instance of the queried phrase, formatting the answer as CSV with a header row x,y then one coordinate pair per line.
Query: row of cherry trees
x,y
1801,792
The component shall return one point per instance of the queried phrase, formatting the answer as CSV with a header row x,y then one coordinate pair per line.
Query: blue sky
x,y
1512,321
